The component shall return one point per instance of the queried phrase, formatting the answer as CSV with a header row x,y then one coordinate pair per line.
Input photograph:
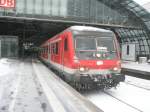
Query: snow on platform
x,y
136,66
61,94
19,91
32,87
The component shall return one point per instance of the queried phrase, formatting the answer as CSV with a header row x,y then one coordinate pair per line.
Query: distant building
x,y
147,6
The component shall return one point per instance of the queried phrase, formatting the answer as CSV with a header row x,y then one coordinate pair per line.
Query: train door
x,y
56,51
59,50
63,51
49,51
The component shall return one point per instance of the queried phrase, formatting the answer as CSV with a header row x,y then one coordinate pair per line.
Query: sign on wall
x,y
129,52
8,3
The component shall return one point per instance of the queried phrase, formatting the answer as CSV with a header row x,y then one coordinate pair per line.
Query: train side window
x,y
56,49
53,49
66,44
45,50
127,49
49,49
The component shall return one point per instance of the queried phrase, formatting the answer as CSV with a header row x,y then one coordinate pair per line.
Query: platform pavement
x,y
141,70
29,86
66,98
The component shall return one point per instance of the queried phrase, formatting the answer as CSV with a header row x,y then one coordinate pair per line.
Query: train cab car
x,y
85,56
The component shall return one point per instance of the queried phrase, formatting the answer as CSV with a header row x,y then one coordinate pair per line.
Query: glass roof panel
x,y
131,5
141,2
144,3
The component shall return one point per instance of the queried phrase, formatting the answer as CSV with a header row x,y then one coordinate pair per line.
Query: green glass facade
x,y
8,46
92,11
106,12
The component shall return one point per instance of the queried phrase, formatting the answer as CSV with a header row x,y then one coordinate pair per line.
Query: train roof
x,y
82,28
88,28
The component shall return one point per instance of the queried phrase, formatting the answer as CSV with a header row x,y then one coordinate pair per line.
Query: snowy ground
x,y
5,66
19,90
62,97
136,66
27,86
133,95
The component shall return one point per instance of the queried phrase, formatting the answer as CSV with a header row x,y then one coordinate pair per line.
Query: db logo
x,y
7,3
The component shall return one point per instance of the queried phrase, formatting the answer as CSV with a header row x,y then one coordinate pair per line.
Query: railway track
x,y
123,101
137,86
127,97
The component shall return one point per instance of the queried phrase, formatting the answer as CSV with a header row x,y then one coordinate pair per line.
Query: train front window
x,y
95,48
85,44
106,47
105,44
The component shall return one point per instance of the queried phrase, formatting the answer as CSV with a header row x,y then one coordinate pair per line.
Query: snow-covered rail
x,y
138,86
138,82
131,96
121,101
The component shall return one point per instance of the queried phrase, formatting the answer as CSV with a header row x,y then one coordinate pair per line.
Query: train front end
x,y
96,58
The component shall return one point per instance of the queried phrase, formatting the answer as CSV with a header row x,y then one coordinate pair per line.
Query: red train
x,y
84,56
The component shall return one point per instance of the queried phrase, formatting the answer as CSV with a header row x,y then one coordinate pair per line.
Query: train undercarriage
x,y
97,81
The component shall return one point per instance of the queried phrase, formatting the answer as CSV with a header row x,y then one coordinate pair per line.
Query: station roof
x,y
36,21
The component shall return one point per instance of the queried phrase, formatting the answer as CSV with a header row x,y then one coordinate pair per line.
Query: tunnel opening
x,y
30,34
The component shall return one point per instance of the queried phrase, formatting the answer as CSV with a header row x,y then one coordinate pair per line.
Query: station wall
x,y
129,52
73,10
8,46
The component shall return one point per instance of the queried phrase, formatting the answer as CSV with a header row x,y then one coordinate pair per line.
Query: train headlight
x,y
82,69
98,55
115,69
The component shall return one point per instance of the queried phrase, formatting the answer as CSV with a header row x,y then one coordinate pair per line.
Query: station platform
x,y
141,70
29,86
